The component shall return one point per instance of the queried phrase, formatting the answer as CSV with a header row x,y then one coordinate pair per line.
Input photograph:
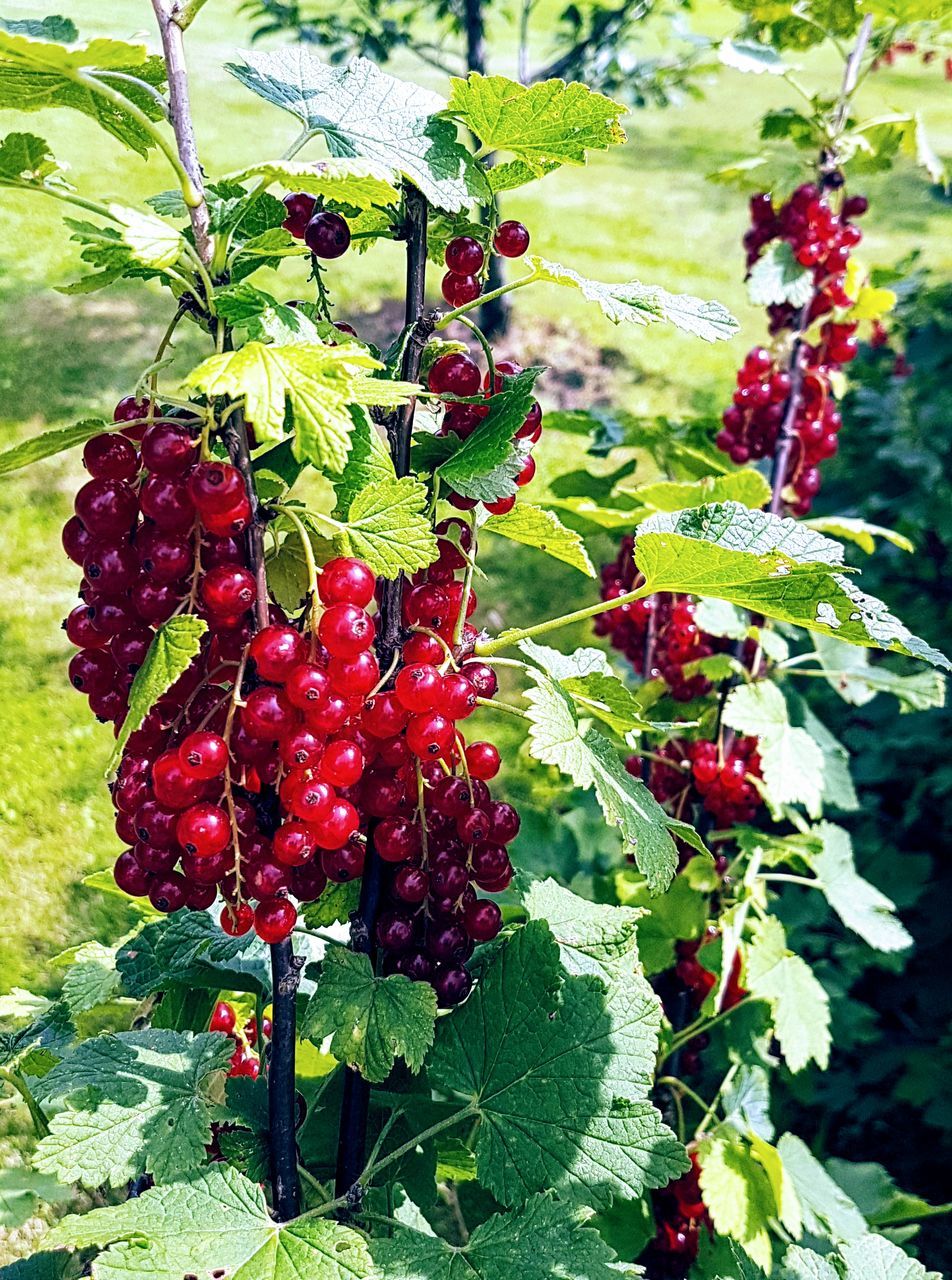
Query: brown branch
x,y
168,16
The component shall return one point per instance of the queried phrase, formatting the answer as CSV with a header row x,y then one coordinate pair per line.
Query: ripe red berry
x,y
276,651
167,892
274,918
482,760
397,839
344,864
452,984
107,508
223,1018
228,590
166,500
336,826
215,487
268,714
110,456
342,763
307,686
203,755
460,290
130,876
502,507
327,235
458,698
346,630
172,785
430,735
454,374
300,209
419,687
483,920
168,449
464,256
346,581
236,918
354,677
203,830
293,843
129,409
511,239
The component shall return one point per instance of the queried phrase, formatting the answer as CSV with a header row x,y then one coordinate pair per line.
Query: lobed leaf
x,y
535,527
387,526
801,1009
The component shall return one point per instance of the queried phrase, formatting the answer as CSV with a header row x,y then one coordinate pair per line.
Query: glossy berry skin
x,y
337,825
458,698
430,735
419,687
293,844
223,1018
236,920
344,864
167,892
228,590
165,557
130,876
452,984
203,830
483,920
460,290
276,651
92,671
342,764
464,256
168,449
300,210
511,239
166,500
395,931
107,508
129,409
502,507
454,374
411,884
327,235
482,677
346,630
110,456
215,487
482,760
266,879
77,540
268,714
397,839
274,919
203,755
172,786
81,630
346,581
354,677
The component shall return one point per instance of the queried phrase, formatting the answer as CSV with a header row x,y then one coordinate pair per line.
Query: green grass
x,y
642,212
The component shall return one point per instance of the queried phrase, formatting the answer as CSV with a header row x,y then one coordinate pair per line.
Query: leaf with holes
x,y
558,1071
136,1102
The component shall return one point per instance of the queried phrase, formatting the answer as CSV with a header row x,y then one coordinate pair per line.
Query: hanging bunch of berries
x,y
764,406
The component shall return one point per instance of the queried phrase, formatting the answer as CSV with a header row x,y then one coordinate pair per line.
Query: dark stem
x,y
352,1139
282,1098
285,966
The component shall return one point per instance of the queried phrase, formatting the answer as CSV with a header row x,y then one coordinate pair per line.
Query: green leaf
x,y
42,1266
746,486
771,566
53,28
791,761
642,304
541,1240
781,1184
362,111
49,443
486,463
372,1020
558,1072
746,1102
137,1102
679,913
777,277
828,1212
387,526
334,906
859,904
360,184
263,318
593,937
591,761
217,1220
92,979
189,949
151,242
801,1009
876,1195
22,1191
738,1196
804,1264
752,58
548,123
38,73
850,673
861,532
26,160
36,1047
319,383
512,174
536,527
368,464
838,790
170,655
608,699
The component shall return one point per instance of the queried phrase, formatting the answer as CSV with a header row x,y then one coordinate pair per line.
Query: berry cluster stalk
x,y
352,1139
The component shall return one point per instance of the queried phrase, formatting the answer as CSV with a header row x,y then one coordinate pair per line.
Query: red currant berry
x,y
215,487
130,876
203,830
454,374
107,508
327,235
482,760
268,714
293,843
168,449
110,456
346,630
464,256
276,651
344,864
228,590
460,290
346,581
274,919
430,735
483,920
167,893
458,698
342,763
354,677
419,687
502,507
397,839
223,1018
336,826
203,755
307,686
300,210
511,239
236,918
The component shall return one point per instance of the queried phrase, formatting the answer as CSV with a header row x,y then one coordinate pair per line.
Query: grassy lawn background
x,y
643,212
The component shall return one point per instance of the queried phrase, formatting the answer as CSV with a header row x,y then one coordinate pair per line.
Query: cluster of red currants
x,y
268,766
680,1215
822,241
465,260
697,776
244,1059
325,233
456,374
676,642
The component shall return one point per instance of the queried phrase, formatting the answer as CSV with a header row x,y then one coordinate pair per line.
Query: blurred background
x,y
645,212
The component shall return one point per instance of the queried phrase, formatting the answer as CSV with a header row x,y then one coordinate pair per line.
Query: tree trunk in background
x,y
494,316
